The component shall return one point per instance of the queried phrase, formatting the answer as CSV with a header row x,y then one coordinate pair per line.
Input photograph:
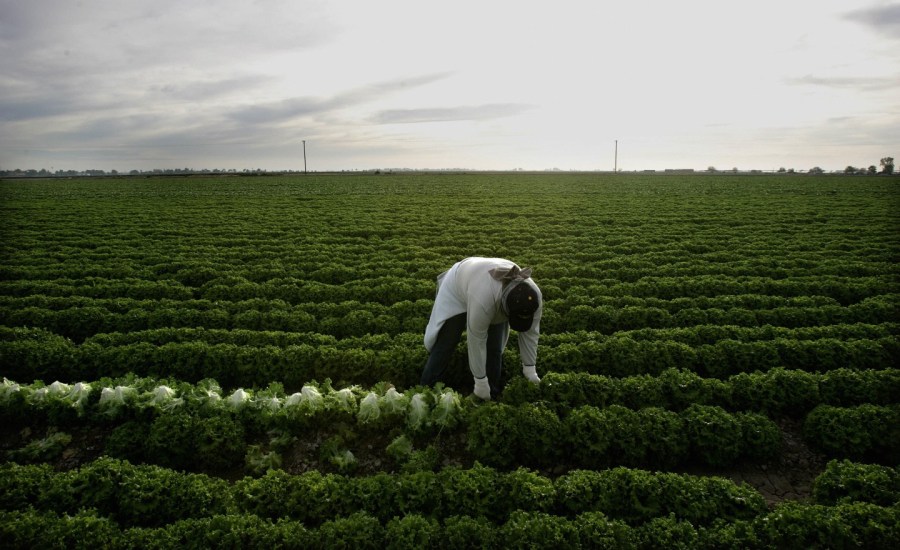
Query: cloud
x,y
96,36
283,110
868,84
450,114
286,109
21,109
884,19
205,89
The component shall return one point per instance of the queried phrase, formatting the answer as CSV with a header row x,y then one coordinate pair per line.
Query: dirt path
x,y
791,476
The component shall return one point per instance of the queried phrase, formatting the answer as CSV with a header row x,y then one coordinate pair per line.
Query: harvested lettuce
x,y
417,419
369,411
79,394
8,390
343,400
238,399
394,402
446,412
163,398
113,400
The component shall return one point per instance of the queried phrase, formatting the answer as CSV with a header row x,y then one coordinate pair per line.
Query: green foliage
x,y
666,532
618,435
127,441
716,436
637,496
20,486
592,432
140,496
45,449
334,451
82,530
869,432
492,434
258,461
468,532
358,530
761,438
596,530
400,448
797,525
193,442
844,481
411,531
682,316
528,530
778,391
152,507
525,489
422,460
476,491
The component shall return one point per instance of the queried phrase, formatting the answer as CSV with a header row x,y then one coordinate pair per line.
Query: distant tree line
x,y
44,173
886,163
887,167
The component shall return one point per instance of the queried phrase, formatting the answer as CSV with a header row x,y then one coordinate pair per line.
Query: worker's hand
x,y
482,388
530,372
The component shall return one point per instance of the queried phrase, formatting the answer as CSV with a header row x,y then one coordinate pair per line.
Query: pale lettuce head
x,y
238,399
369,411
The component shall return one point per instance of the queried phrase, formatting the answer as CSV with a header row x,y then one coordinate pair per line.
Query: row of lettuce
x,y
113,504
80,318
790,525
242,358
619,261
388,289
776,392
200,426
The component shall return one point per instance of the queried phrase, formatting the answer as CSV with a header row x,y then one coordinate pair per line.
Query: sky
x,y
474,84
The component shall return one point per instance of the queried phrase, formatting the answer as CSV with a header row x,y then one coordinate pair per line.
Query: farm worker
x,y
486,297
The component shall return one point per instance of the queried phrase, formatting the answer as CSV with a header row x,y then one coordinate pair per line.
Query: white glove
x,y
530,373
483,388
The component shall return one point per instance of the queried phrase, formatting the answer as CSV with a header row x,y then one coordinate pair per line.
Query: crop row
x,y
625,253
37,355
618,257
212,430
576,296
390,289
790,525
125,493
776,392
693,336
617,508
496,434
81,318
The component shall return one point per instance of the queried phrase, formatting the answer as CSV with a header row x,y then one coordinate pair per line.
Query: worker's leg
x,y
497,335
439,357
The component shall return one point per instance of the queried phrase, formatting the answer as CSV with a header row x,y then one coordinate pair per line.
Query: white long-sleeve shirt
x,y
467,287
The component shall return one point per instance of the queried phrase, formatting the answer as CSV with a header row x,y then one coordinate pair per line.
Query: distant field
x,y
350,256
687,300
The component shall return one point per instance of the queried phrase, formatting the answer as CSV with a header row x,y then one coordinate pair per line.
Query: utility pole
x,y
616,161
304,156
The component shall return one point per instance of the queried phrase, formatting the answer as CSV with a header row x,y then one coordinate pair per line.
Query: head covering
x,y
520,301
507,274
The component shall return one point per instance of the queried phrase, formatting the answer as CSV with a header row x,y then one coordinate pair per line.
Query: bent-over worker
x,y
486,297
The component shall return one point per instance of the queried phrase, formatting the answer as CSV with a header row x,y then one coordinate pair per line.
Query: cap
x,y
521,303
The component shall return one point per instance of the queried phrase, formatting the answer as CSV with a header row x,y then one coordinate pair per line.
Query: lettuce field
x,y
232,361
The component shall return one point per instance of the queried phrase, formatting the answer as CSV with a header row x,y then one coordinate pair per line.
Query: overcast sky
x,y
480,84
